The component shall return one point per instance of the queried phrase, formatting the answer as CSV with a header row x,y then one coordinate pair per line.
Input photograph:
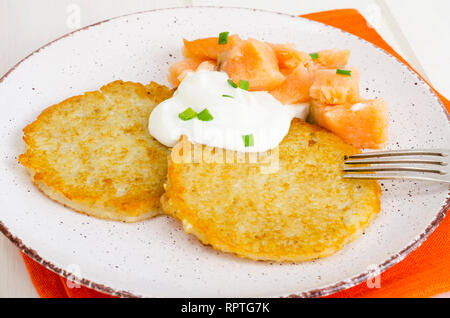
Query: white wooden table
x,y
418,30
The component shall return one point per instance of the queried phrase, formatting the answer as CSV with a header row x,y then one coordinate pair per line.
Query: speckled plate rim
x,y
323,291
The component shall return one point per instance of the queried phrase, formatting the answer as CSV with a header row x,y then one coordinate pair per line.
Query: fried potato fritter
x,y
303,211
93,152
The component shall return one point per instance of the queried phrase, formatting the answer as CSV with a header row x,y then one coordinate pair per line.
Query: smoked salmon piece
x,y
333,58
178,70
253,61
208,48
332,88
289,58
296,86
206,66
363,125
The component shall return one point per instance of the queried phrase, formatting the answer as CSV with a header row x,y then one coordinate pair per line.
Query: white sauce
x,y
256,113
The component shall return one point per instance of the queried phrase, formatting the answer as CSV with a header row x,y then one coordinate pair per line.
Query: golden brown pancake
x,y
302,211
93,152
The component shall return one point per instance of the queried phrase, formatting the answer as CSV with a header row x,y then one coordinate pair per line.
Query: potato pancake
x,y
302,211
93,152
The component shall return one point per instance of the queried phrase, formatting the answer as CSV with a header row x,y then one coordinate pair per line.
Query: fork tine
x,y
421,152
392,168
418,164
397,175
418,159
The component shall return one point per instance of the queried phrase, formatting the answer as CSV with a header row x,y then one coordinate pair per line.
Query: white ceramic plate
x,y
155,257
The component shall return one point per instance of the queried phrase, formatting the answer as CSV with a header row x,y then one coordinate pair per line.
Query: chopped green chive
x,y
314,55
188,114
223,38
204,115
343,72
232,83
248,140
225,95
244,85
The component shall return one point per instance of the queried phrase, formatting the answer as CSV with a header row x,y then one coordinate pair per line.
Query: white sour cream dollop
x,y
245,113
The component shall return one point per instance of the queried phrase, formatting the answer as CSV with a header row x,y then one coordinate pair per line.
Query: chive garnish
x,y
248,140
188,114
244,84
314,55
343,72
232,83
223,38
205,115
225,95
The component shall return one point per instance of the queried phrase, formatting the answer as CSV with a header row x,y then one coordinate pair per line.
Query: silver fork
x,y
417,164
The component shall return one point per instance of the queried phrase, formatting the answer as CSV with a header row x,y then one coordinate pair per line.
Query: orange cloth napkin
x,y
423,273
